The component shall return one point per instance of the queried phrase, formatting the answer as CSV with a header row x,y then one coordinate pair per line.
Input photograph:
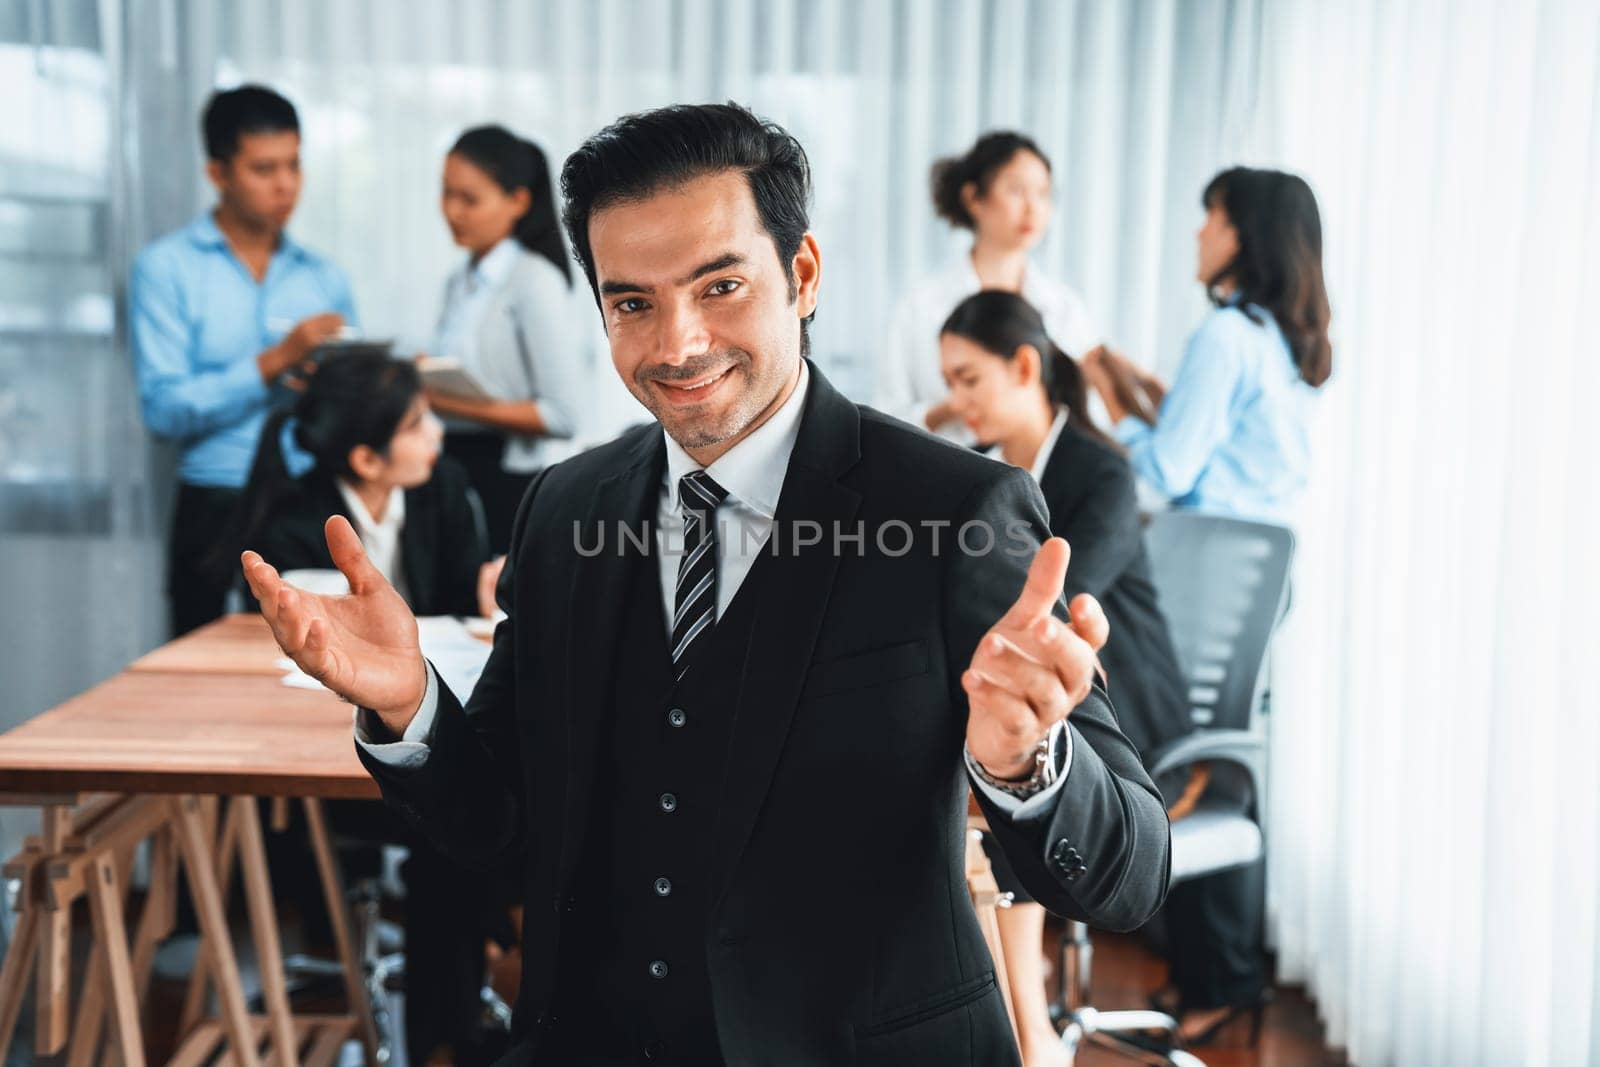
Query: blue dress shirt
x,y
1231,437
197,320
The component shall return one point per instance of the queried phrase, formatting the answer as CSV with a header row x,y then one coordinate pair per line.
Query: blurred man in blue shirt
x,y
223,315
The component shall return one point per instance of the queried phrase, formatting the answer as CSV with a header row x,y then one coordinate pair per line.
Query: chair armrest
x,y
1243,747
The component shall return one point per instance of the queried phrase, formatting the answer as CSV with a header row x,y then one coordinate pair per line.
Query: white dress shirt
x,y
381,538
909,380
466,295
508,319
752,472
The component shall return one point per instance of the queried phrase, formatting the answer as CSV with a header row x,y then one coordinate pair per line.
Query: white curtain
x,y
1437,813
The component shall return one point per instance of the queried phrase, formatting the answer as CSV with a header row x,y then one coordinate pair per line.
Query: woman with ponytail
x,y
1229,435
1000,190
375,446
508,319
1015,390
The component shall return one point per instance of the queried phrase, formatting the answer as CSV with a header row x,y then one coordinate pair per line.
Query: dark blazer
x,y
840,929
440,546
1089,489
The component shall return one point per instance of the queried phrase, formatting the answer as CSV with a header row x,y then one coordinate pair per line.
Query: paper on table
x,y
456,655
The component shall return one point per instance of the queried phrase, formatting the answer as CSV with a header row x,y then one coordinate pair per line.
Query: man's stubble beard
x,y
691,431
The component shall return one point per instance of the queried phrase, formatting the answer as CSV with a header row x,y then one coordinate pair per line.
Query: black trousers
x,y
197,593
449,911
499,490
1214,930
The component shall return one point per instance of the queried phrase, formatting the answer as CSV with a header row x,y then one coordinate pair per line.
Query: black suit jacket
x,y
441,549
840,929
1089,490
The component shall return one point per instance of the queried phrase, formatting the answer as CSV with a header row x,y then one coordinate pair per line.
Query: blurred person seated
x,y
365,422
376,451
1017,391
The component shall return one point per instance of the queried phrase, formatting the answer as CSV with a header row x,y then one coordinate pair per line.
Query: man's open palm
x,y
362,646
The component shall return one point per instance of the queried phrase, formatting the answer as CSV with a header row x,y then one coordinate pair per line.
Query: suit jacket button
x,y
669,803
1060,850
658,968
663,887
677,717
1072,875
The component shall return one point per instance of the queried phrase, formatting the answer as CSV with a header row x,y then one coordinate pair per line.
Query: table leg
x,y
156,921
55,950
355,986
264,926
14,972
194,998
198,862
105,902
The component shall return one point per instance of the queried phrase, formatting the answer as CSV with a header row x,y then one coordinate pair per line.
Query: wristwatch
x,y
1040,778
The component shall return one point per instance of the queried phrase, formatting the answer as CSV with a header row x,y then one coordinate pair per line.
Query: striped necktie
x,y
695,611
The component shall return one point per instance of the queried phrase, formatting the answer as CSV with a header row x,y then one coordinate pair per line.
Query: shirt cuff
x,y
1130,429
242,381
1040,803
412,748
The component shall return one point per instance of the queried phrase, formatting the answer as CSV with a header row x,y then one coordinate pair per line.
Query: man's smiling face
x,y
702,317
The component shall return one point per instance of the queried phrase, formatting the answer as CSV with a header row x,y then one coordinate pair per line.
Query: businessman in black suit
x,y
732,748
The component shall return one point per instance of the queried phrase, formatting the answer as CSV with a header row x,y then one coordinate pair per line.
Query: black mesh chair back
x,y
1222,584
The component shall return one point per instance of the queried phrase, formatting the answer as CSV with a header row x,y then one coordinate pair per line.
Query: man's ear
x,y
806,270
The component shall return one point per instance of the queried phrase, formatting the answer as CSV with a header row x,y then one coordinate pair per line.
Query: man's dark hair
x,y
639,155
234,113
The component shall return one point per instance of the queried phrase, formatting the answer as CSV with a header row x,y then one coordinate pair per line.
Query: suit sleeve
x,y
1108,812
466,795
1102,526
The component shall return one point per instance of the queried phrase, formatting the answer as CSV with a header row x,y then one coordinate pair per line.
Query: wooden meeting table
x,y
175,750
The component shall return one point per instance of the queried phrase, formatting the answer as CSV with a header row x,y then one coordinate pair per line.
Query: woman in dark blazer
x,y
375,446
1024,397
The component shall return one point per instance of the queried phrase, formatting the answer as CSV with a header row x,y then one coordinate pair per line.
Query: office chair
x,y
1223,585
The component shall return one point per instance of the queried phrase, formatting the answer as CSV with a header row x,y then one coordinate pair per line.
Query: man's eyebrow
x,y
722,262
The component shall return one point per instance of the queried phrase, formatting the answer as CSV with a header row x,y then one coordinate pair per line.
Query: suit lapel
x,y
787,617
596,602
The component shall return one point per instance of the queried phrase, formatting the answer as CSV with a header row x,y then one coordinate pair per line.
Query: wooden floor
x,y
1125,972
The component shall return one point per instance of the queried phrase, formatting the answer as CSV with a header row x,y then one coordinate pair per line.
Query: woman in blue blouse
x,y
1229,436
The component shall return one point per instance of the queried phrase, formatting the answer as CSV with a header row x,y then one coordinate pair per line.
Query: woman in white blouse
x,y
1000,190
508,319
